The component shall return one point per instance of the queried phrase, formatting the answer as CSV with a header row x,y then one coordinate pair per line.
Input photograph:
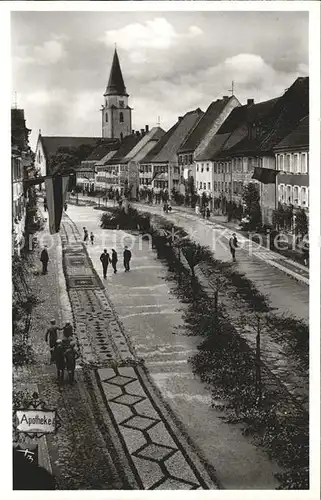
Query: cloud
x,y
49,52
155,33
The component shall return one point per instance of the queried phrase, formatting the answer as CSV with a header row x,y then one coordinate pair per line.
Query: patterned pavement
x,y
159,454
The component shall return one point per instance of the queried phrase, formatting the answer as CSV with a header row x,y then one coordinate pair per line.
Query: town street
x,y
286,293
151,316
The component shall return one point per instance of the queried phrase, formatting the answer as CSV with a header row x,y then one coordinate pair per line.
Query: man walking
x,y
114,260
127,257
233,245
85,235
104,259
67,330
52,336
44,258
45,205
92,238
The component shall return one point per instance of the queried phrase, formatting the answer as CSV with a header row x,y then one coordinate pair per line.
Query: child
x,y
92,238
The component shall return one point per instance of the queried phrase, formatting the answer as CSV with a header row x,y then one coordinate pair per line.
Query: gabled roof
x,y
214,146
100,151
204,124
51,144
126,145
105,159
116,84
169,149
154,134
160,144
288,112
232,136
298,138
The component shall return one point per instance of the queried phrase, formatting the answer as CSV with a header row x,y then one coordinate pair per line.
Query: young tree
x,y
302,224
251,199
194,254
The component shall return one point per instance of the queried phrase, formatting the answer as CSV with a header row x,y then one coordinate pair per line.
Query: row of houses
x,y
21,166
218,150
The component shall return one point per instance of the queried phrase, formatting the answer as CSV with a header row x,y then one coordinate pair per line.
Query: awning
x,y
265,175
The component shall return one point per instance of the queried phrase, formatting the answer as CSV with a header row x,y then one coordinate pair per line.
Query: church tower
x,y
116,114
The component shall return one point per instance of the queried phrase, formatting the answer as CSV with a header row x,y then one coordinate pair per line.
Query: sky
x,y
172,62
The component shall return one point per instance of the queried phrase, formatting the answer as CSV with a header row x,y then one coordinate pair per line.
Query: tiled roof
x,y
127,144
184,125
154,134
299,137
116,84
51,144
100,151
214,146
288,112
105,159
159,145
203,126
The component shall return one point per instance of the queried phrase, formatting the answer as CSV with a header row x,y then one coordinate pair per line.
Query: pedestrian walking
x,y
233,244
85,235
104,259
114,260
44,258
45,205
59,358
67,330
208,213
127,258
71,354
52,336
65,206
92,238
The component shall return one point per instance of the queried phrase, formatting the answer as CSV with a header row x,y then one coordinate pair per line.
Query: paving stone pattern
x,y
157,455
100,335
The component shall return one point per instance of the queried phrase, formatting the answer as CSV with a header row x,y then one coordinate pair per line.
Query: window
x,y
207,167
191,158
295,195
121,136
304,168
288,195
295,164
281,162
201,184
121,117
219,186
197,168
209,186
215,168
281,193
304,197
106,117
215,186
121,104
202,170
287,163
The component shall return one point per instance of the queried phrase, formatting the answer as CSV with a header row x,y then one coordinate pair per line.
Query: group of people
x,y
205,212
105,259
167,208
86,236
63,351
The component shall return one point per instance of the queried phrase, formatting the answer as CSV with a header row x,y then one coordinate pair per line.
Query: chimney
x,y
137,133
146,129
225,97
250,102
133,132
180,118
142,131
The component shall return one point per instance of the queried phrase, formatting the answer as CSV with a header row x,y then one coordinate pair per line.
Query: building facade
x,y
292,161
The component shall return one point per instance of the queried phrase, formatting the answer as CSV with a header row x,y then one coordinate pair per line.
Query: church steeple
x,y
116,84
116,114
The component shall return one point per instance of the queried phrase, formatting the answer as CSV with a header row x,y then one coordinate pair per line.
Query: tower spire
x,y
116,84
